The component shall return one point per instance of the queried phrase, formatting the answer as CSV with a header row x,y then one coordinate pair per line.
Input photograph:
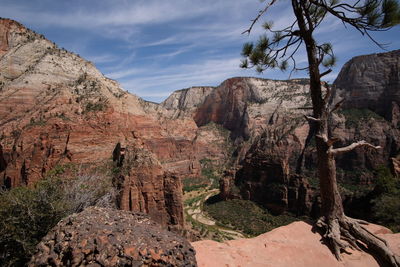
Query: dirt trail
x,y
197,214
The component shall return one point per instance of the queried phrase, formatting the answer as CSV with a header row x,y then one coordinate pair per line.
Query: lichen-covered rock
x,y
108,237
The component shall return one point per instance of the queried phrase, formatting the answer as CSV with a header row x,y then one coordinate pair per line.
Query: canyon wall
x,y
57,108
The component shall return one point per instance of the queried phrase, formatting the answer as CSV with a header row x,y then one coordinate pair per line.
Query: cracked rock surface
x,y
108,237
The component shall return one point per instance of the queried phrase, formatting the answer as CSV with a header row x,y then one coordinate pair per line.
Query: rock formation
x,y
186,101
372,81
291,245
57,108
108,237
281,148
145,187
245,105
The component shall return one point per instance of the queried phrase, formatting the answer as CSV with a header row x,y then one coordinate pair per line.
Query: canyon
x,y
56,108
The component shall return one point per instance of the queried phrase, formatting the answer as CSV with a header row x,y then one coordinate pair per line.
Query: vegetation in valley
x,y
193,184
245,216
355,116
386,202
209,177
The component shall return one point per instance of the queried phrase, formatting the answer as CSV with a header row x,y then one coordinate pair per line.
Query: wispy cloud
x,y
154,47
207,72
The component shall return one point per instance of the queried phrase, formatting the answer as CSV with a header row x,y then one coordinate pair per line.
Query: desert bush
x,y
28,213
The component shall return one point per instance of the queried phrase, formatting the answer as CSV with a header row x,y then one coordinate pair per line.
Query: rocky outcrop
x,y
266,178
185,101
146,187
373,82
292,245
244,105
280,155
108,237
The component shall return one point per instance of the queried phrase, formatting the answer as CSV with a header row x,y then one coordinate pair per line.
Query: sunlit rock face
x,y
245,105
292,245
57,108
372,81
279,146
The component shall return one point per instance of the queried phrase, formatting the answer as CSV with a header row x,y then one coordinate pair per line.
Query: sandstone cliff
x,y
372,81
186,101
245,105
145,187
279,156
57,108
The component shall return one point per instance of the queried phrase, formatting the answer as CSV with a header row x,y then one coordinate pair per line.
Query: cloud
x,y
153,47
207,72
106,58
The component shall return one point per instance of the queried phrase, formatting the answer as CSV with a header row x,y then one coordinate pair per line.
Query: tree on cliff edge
x,y
279,51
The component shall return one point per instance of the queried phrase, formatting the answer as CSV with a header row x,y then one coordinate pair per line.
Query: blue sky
x,y
153,47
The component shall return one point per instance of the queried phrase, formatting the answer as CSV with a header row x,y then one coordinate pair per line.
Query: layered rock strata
x,y
145,186
373,82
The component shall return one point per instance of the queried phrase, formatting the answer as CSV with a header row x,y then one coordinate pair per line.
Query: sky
x,y
154,47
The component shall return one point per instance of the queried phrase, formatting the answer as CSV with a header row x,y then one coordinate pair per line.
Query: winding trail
x,y
197,214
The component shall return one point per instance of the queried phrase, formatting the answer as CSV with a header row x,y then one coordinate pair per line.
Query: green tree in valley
x,y
278,49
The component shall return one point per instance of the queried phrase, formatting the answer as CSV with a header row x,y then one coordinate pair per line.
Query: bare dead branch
x,y
333,140
341,150
325,73
311,119
337,105
260,13
323,137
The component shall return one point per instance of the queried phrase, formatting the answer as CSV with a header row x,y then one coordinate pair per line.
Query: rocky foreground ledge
x,y
100,237
287,246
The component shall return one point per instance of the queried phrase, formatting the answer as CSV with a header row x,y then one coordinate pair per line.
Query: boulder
x,y
108,237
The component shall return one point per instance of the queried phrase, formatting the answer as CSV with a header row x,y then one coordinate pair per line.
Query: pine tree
x,y
277,49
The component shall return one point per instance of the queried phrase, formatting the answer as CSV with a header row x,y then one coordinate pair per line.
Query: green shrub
x,y
94,107
385,182
28,213
386,211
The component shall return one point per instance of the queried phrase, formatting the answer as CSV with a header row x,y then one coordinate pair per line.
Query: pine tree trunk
x,y
339,230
